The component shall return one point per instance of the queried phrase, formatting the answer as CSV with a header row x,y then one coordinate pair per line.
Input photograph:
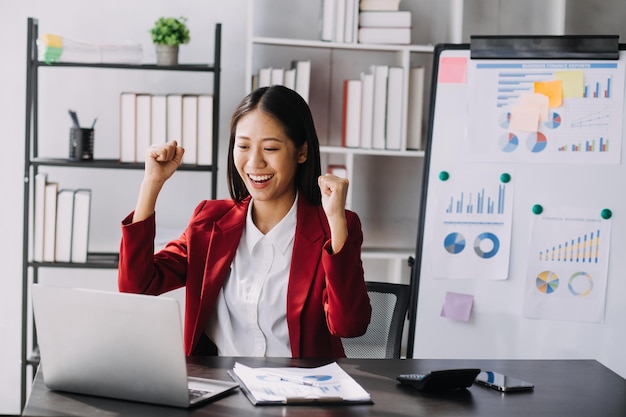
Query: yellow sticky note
x,y
573,83
552,89
524,118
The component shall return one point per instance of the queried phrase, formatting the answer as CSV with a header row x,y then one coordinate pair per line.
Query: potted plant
x,y
167,34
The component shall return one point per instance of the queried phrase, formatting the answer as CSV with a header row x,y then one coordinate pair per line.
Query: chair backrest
x,y
383,338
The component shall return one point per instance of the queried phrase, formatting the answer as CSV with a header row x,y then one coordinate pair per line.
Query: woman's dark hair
x,y
293,113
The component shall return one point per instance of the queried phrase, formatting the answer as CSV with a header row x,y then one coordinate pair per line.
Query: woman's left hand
x,y
334,194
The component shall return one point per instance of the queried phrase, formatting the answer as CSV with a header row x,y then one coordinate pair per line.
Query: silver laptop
x,y
116,345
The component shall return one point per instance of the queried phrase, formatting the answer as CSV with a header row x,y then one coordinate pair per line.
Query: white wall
x,y
110,21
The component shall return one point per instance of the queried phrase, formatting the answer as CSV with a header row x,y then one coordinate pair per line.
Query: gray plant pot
x,y
166,54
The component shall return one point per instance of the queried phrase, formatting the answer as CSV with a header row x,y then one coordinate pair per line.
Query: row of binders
x,y
365,21
298,77
148,119
373,108
61,222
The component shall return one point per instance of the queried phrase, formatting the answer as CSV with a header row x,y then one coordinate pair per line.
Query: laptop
x,y
117,345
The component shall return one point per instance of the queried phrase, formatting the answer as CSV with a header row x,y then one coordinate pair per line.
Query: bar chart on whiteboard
x,y
568,265
473,224
580,122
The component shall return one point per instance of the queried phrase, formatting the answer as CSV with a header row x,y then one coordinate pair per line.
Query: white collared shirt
x,y
250,316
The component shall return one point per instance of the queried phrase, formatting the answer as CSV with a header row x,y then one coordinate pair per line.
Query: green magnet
x,y
443,175
537,209
505,178
606,214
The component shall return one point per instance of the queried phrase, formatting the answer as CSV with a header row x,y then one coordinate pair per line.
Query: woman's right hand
x,y
162,161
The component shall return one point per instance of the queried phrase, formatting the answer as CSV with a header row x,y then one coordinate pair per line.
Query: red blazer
x,y
326,298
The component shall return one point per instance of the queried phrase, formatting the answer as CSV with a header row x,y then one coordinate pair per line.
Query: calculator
x,y
441,380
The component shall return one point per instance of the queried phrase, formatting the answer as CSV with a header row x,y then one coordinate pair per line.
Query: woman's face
x,y
266,158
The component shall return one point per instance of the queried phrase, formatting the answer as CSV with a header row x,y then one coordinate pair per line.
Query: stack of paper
x,y
381,21
327,383
55,48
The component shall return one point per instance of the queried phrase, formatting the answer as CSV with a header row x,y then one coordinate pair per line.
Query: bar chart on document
x,y
473,224
581,121
567,265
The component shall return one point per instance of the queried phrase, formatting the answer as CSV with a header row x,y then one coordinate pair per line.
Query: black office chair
x,y
383,338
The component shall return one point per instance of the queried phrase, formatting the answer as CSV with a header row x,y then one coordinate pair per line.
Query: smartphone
x,y
502,382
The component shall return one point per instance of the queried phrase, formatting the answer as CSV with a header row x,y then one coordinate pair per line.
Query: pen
x,y
94,123
295,380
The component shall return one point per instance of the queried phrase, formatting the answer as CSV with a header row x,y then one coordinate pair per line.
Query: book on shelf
x,y
396,19
174,117
61,222
415,108
367,109
351,21
351,114
338,169
80,225
143,129
294,385
205,129
50,221
277,76
298,77
399,36
289,78
265,77
65,216
128,126
303,78
254,82
189,136
380,5
39,216
379,115
393,123
340,21
329,10
158,128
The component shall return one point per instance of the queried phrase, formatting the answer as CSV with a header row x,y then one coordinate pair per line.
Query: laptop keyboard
x,y
196,393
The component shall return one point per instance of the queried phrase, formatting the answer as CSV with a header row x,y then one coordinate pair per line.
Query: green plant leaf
x,y
170,31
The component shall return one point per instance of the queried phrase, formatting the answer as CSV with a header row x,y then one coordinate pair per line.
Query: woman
x,y
274,271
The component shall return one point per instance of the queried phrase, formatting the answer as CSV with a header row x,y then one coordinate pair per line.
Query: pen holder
x,y
81,144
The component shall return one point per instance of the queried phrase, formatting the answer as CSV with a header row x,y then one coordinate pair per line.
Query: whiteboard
x,y
483,281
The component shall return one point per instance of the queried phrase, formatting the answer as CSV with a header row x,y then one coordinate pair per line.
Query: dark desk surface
x,y
562,388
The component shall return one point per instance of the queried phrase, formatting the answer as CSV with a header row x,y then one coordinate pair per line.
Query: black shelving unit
x,y
32,163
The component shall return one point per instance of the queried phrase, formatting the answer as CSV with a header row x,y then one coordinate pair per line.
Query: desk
x,y
569,388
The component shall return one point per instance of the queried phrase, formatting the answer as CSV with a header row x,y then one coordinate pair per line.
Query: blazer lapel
x,y
224,240
311,234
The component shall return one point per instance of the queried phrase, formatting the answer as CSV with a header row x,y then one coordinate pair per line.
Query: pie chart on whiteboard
x,y
536,142
547,282
508,142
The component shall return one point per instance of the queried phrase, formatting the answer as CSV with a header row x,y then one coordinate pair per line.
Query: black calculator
x,y
442,380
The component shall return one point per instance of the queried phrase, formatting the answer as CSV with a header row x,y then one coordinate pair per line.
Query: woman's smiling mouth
x,y
259,179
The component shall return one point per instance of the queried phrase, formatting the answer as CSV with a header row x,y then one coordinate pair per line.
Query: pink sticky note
x,y
452,70
457,306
